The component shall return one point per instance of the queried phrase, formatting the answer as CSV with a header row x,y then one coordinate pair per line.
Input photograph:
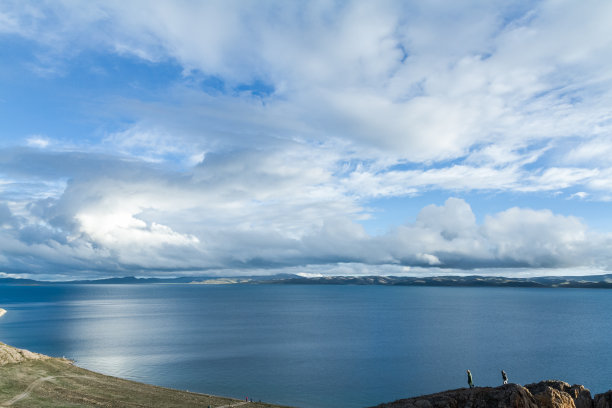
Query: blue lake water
x,y
317,346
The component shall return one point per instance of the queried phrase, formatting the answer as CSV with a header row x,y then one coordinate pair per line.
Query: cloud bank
x,y
244,137
249,212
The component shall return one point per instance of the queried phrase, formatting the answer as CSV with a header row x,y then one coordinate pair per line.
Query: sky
x,y
175,138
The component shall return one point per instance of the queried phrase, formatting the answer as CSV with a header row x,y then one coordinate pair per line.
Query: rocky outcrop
x,y
9,355
510,395
553,398
582,396
603,400
554,393
545,394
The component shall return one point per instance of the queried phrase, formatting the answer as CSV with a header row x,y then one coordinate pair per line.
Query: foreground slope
x,y
34,380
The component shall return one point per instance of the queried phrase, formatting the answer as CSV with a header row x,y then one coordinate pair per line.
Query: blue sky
x,y
176,138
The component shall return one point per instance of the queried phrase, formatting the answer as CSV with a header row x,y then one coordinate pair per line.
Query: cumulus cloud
x,y
216,218
518,237
286,119
538,238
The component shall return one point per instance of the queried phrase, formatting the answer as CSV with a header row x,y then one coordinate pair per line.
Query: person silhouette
x,y
470,382
504,377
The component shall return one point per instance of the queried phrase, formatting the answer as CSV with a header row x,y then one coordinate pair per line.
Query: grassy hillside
x,y
52,382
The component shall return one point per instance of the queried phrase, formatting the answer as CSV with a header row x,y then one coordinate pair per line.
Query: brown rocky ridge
x,y
11,355
545,394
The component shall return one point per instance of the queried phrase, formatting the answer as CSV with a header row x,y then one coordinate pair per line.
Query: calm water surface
x,y
317,346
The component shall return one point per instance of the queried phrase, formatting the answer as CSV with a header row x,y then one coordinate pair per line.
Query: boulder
x,y
552,398
554,393
603,400
582,396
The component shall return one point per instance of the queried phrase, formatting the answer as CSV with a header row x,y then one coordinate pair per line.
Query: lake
x,y
317,346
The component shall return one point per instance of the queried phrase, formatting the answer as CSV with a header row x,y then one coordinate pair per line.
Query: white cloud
x,y
38,141
597,150
252,211
362,101
410,82
538,238
397,183
515,237
123,230
555,178
147,143
603,181
422,81
579,195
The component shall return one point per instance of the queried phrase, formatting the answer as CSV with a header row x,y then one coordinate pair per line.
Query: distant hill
x,y
595,281
599,281
16,281
131,280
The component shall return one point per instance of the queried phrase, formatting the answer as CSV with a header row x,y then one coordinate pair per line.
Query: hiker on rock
x,y
504,377
470,382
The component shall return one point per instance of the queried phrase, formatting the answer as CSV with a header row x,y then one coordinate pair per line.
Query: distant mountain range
x,y
595,281
598,281
131,280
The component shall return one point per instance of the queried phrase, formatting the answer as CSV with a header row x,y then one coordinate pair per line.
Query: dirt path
x,y
33,385
26,393
39,381
233,405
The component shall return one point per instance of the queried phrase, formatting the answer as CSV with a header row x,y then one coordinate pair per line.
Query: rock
x,y
9,355
603,400
554,393
537,388
545,394
506,396
553,398
582,396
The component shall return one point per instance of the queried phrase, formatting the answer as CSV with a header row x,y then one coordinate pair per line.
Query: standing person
x,y
504,377
470,382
